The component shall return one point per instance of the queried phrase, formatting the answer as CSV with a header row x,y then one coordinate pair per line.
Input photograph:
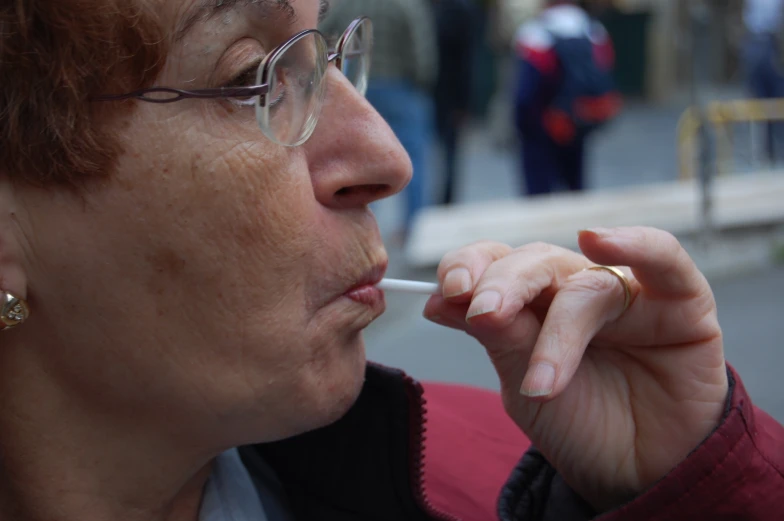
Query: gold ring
x,y
627,288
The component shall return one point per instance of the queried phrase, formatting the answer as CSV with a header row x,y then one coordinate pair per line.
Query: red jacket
x,y
441,452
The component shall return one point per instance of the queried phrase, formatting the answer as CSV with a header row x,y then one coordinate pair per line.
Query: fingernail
x,y
432,318
602,233
484,303
457,282
539,381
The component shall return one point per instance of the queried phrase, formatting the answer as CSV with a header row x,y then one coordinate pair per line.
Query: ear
x,y
13,276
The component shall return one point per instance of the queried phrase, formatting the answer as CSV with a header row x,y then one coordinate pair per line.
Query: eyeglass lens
x,y
297,85
296,90
356,56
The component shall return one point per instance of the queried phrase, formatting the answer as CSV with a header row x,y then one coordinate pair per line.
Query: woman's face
x,y
203,286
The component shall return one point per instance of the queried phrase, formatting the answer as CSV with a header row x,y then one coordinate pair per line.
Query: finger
x,y
509,348
657,259
518,279
446,313
460,269
452,315
583,306
663,272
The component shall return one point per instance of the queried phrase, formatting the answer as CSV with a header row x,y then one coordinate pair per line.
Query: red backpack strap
x,y
536,45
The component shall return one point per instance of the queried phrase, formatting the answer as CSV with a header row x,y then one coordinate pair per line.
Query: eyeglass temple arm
x,y
179,94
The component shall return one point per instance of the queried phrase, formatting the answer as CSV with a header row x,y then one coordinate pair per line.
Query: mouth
x,y
365,290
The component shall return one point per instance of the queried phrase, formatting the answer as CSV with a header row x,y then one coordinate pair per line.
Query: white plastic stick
x,y
410,286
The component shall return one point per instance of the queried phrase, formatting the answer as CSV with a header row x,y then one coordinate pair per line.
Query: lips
x,y
370,278
365,290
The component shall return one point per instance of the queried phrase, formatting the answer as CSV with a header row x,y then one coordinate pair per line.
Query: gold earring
x,y
14,311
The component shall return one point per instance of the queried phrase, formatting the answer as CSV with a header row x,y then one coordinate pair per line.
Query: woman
x,y
187,262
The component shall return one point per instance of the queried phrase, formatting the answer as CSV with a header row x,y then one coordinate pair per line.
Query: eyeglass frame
x,y
243,92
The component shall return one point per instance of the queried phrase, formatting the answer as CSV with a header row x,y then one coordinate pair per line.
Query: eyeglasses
x,y
290,86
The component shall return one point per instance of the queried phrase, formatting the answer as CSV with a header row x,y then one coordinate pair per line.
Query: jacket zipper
x,y
417,437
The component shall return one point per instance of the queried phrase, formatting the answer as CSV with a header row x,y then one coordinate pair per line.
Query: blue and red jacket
x,y
408,452
540,74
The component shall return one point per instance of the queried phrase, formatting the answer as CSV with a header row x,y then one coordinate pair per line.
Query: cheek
x,y
234,222
273,208
241,211
244,187
262,226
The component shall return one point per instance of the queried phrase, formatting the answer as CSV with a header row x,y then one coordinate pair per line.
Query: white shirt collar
x,y
230,494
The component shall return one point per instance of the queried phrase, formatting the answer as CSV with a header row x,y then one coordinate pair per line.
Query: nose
x,y
353,155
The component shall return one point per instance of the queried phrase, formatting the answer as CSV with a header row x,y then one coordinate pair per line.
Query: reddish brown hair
x,y
54,56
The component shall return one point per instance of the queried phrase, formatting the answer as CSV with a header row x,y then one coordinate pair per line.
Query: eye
x,y
246,78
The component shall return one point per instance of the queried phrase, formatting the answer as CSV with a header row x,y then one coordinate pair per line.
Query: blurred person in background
x,y
764,21
505,17
455,32
402,77
565,91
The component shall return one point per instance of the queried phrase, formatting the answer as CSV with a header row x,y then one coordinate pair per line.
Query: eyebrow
x,y
209,9
323,10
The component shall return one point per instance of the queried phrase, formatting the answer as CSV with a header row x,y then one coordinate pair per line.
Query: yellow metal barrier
x,y
688,127
721,114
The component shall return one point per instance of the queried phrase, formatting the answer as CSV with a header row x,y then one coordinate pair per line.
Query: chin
x,y
336,388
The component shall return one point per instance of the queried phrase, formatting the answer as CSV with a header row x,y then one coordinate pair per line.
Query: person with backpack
x,y
565,91
764,64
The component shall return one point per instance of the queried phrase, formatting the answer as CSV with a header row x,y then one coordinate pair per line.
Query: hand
x,y
613,399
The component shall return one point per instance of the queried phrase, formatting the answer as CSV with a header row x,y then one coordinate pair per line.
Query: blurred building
x,y
656,40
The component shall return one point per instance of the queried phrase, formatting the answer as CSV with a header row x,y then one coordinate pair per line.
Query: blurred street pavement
x,y
639,148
